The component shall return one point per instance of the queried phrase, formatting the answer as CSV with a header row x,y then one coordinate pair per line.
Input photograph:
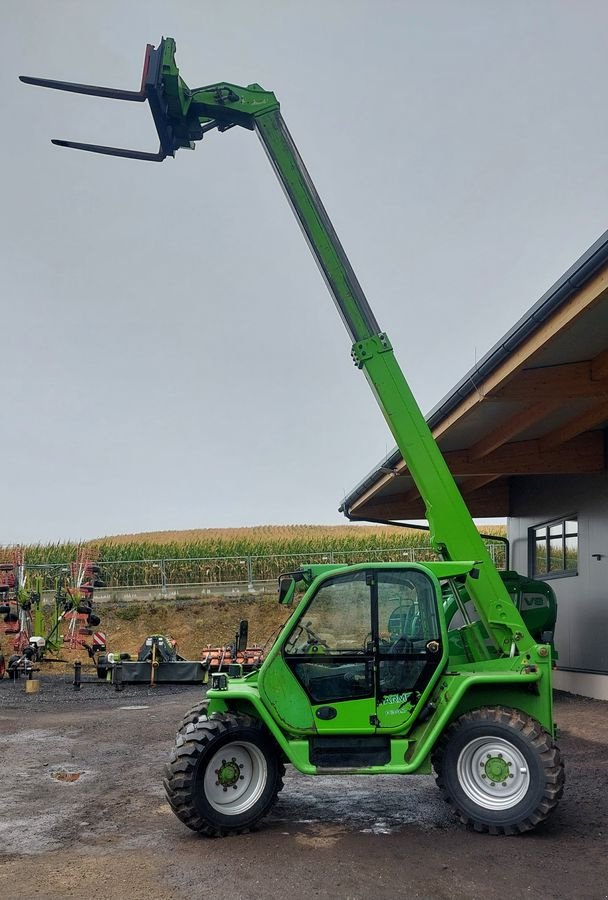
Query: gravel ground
x,y
83,815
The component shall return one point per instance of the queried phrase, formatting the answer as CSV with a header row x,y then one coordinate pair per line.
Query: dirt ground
x,y
83,814
192,623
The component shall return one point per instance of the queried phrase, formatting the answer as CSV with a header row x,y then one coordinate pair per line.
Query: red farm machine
x,y
28,635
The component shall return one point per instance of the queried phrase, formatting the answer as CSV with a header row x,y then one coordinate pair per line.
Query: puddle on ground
x,y
325,836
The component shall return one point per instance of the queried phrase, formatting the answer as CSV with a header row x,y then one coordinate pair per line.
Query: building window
x,y
554,548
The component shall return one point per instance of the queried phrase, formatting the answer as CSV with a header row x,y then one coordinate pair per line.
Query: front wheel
x,y
224,775
500,770
197,714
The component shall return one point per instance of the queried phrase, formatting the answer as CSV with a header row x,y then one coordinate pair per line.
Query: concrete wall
x,y
179,592
582,618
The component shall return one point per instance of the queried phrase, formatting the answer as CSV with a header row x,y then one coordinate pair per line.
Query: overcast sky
x,y
170,355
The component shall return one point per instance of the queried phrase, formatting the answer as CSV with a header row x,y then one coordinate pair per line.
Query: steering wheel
x,y
313,640
401,645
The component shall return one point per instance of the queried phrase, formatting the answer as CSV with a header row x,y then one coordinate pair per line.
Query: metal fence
x,y
235,570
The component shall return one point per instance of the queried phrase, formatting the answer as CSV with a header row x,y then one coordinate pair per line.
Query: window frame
x,y
534,540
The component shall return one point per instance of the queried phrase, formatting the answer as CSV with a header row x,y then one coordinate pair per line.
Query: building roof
x,y
535,404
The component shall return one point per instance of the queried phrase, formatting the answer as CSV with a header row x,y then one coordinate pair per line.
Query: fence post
x,y
163,578
77,675
249,572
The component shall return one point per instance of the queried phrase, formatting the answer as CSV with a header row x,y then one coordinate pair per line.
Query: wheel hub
x,y
228,773
496,769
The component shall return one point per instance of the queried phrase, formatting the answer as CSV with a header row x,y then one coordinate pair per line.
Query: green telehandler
x,y
370,674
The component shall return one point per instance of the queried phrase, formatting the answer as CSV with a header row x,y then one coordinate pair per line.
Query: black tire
x,y
2,666
513,749
197,714
197,796
4,609
93,620
103,666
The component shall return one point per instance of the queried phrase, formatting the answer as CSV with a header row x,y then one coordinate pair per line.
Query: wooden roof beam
x,y
470,485
599,366
556,383
582,454
511,427
592,418
490,500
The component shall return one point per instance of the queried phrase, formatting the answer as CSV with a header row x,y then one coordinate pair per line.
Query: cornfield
x,y
233,554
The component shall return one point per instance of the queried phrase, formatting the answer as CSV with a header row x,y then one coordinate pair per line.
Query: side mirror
x,y
287,586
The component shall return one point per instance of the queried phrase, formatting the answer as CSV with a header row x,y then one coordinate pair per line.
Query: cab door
x,y
330,652
410,646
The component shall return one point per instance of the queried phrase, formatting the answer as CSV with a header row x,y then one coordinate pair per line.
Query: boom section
x,y
183,116
453,532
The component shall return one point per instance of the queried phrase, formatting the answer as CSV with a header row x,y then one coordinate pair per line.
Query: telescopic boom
x,y
182,116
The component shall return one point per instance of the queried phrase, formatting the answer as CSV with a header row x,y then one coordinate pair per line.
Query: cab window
x,y
338,619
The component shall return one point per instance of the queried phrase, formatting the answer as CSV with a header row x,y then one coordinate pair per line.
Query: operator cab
x,y
372,634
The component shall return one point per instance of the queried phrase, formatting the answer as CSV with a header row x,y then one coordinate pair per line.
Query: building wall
x,y
582,618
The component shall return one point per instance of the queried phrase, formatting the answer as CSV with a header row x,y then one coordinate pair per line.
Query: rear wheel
x,y
500,770
224,775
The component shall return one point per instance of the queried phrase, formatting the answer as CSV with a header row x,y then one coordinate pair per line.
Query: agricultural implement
x,y
158,661
368,676
73,625
15,603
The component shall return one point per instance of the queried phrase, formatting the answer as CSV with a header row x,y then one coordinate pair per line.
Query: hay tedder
x,y
369,675
30,636
16,625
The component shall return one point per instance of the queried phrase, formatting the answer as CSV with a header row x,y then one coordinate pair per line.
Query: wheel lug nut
x,y
484,776
225,789
488,756
242,777
241,766
504,784
509,763
511,775
500,755
234,787
492,784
